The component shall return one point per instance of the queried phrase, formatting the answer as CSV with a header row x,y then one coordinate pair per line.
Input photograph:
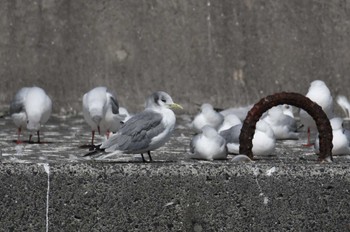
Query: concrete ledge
x,y
183,196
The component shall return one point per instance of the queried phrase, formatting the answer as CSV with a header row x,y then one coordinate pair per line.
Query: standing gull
x,y
101,111
145,131
319,93
30,108
208,145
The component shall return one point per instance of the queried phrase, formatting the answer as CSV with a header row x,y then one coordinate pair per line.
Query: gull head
x,y
206,107
161,99
209,131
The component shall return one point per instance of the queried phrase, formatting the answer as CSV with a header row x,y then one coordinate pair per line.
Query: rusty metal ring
x,y
295,99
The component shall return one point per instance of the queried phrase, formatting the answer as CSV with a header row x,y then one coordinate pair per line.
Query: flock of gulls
x,y
216,132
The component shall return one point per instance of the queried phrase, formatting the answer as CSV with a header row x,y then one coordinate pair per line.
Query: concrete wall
x,y
224,52
174,197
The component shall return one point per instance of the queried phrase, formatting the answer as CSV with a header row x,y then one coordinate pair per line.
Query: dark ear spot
x,y
156,98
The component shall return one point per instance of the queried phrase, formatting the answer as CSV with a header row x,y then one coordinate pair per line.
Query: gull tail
x,y
344,104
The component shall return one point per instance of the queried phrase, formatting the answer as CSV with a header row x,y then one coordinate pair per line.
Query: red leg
x,y
19,135
309,144
107,134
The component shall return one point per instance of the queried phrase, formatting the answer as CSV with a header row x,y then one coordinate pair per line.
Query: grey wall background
x,y
228,53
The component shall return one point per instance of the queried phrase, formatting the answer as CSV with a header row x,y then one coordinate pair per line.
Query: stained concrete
x,y
289,190
227,53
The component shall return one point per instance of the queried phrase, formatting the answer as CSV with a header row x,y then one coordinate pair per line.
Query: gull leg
x,y
19,135
30,138
150,157
92,137
309,144
143,158
38,133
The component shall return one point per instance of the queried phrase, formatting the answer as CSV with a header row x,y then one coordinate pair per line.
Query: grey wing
x,y
17,104
231,135
137,133
292,124
114,103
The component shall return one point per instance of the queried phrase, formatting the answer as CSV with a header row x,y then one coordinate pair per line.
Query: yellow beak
x,y
175,106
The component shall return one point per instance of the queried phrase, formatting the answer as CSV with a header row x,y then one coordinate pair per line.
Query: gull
x,y
320,94
207,116
208,145
145,131
231,137
30,109
344,103
240,112
288,110
283,125
230,120
340,140
101,111
125,113
264,141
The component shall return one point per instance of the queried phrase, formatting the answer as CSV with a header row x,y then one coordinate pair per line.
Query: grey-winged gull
x,y
208,145
147,130
30,108
264,141
101,111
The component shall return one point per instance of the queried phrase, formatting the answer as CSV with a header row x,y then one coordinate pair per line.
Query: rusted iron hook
x,y
295,99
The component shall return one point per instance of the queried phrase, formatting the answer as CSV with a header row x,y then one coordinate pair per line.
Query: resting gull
x,y
340,140
208,145
263,141
207,116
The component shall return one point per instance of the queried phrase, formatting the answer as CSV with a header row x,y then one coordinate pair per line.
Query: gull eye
x,y
163,100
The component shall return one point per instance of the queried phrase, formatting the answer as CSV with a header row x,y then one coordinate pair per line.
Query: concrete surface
x,y
175,197
51,186
228,53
